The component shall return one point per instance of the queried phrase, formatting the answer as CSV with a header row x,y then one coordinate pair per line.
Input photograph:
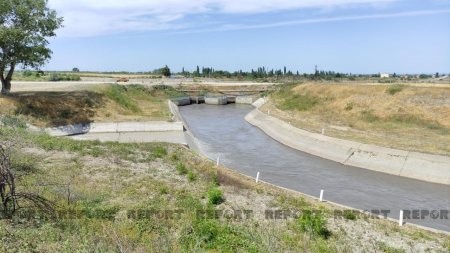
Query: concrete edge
x,y
425,167
114,127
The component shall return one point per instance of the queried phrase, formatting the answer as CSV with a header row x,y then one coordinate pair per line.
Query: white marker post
x,y
400,219
321,196
257,177
218,161
323,131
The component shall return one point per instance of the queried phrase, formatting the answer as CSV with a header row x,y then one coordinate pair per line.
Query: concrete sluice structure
x,y
216,100
213,100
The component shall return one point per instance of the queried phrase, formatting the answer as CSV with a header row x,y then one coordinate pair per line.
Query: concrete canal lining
x,y
426,167
222,131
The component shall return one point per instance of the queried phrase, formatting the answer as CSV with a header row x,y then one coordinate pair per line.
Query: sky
x,y
349,36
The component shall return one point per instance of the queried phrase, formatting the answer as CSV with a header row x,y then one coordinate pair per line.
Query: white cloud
x,y
94,17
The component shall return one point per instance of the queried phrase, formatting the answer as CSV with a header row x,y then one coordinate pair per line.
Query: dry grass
x,y
134,103
405,117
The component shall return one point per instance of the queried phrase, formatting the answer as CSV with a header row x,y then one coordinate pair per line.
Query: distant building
x,y
384,75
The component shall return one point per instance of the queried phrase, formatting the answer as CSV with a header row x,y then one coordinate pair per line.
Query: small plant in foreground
x,y
349,106
159,152
215,196
191,176
313,223
349,215
181,168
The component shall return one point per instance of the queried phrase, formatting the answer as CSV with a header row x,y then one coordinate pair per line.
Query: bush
x,y
215,196
11,121
211,234
313,223
349,215
394,89
349,106
64,77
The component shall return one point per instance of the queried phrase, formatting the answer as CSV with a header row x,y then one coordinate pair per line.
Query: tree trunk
x,y
6,87
6,81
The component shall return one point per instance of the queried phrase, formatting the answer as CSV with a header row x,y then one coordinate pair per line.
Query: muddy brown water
x,y
222,131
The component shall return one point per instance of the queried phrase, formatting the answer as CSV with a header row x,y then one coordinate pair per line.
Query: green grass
x,y
290,100
215,196
313,223
299,102
181,168
388,249
119,95
403,120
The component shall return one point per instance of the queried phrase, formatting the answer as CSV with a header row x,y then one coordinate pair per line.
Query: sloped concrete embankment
x,y
191,140
126,132
425,167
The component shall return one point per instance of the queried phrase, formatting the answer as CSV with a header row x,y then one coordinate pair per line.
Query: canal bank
x,y
420,166
222,132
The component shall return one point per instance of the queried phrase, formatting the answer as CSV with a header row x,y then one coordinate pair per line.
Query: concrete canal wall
x,y
124,132
426,167
213,100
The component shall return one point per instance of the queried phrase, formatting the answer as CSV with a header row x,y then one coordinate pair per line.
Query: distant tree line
x,y
262,73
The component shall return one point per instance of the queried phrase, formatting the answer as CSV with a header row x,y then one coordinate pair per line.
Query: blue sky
x,y
357,36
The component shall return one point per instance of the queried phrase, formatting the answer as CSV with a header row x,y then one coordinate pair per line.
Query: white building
x,y
384,75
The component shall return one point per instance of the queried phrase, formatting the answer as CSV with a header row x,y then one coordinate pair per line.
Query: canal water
x,y
222,131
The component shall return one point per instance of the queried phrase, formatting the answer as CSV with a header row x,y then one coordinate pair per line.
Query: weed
x,y
174,157
164,190
394,89
215,196
368,116
349,215
349,106
181,168
13,121
388,249
191,176
159,152
313,223
211,234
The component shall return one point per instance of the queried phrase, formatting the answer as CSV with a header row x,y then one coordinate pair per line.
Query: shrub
x,y
313,223
349,215
12,121
55,77
211,234
215,196
394,89
349,106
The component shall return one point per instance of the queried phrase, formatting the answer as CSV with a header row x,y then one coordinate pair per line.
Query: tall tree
x,y
165,71
25,26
